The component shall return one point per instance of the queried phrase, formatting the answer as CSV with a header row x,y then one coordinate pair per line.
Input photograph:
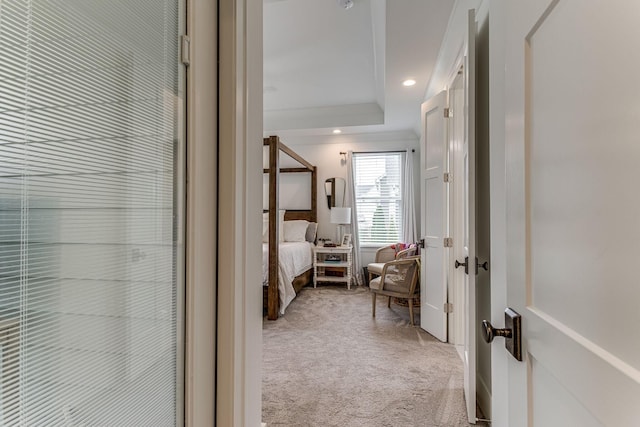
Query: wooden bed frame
x,y
271,298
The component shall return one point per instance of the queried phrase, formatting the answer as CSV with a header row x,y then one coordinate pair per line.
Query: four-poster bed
x,y
275,147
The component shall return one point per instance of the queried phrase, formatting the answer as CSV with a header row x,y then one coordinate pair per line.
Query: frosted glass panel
x,y
91,183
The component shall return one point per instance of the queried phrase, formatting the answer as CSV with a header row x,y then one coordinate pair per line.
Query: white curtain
x,y
408,201
350,198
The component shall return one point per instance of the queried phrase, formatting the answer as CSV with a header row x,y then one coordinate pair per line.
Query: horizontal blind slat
x,y
378,188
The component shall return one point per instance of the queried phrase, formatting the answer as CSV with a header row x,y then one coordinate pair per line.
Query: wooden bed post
x,y
274,232
275,147
314,194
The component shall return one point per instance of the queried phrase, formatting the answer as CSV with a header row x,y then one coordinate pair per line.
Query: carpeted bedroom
x,y
328,362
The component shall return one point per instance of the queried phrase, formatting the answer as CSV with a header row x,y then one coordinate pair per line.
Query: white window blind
x,y
378,182
91,277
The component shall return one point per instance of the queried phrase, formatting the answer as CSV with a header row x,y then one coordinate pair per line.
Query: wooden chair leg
x,y
411,311
373,303
389,302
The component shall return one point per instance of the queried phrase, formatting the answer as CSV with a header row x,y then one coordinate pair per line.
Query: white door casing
x,y
571,114
202,215
239,309
469,150
433,275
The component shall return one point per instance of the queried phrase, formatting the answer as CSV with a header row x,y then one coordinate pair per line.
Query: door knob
x,y
464,264
484,265
512,332
489,332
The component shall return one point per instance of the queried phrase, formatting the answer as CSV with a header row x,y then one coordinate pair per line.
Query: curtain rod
x,y
413,150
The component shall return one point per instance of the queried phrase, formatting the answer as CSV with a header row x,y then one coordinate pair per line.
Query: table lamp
x,y
341,217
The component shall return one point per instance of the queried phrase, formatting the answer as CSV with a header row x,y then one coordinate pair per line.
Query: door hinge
x,y
448,242
448,307
447,177
447,113
185,50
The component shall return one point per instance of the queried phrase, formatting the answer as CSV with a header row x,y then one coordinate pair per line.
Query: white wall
x,y
452,46
324,152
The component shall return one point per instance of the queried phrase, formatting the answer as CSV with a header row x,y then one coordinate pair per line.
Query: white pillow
x,y
295,231
265,226
312,229
281,225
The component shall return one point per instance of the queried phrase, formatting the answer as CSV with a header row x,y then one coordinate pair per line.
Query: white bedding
x,y
294,259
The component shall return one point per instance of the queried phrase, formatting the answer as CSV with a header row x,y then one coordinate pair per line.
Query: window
x,y
378,182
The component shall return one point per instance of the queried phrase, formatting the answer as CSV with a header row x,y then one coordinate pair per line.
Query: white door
x,y
457,208
469,235
463,217
433,275
573,233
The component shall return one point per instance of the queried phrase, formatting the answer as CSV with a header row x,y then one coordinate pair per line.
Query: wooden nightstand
x,y
332,265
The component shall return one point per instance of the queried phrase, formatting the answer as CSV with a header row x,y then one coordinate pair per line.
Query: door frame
x,y
223,351
239,304
498,223
201,216
498,217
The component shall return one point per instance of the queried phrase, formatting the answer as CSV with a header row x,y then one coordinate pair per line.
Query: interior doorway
x,y
457,209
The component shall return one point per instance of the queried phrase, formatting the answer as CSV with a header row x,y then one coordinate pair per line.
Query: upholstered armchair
x,y
399,278
386,254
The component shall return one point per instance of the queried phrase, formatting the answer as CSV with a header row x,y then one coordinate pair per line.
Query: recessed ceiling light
x,y
346,4
337,131
409,82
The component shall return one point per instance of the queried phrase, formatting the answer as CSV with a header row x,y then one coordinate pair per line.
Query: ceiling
x,y
327,67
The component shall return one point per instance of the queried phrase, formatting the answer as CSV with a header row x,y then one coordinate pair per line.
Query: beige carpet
x,y
327,362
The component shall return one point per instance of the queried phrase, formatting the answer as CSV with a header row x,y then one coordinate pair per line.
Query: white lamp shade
x,y
340,216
